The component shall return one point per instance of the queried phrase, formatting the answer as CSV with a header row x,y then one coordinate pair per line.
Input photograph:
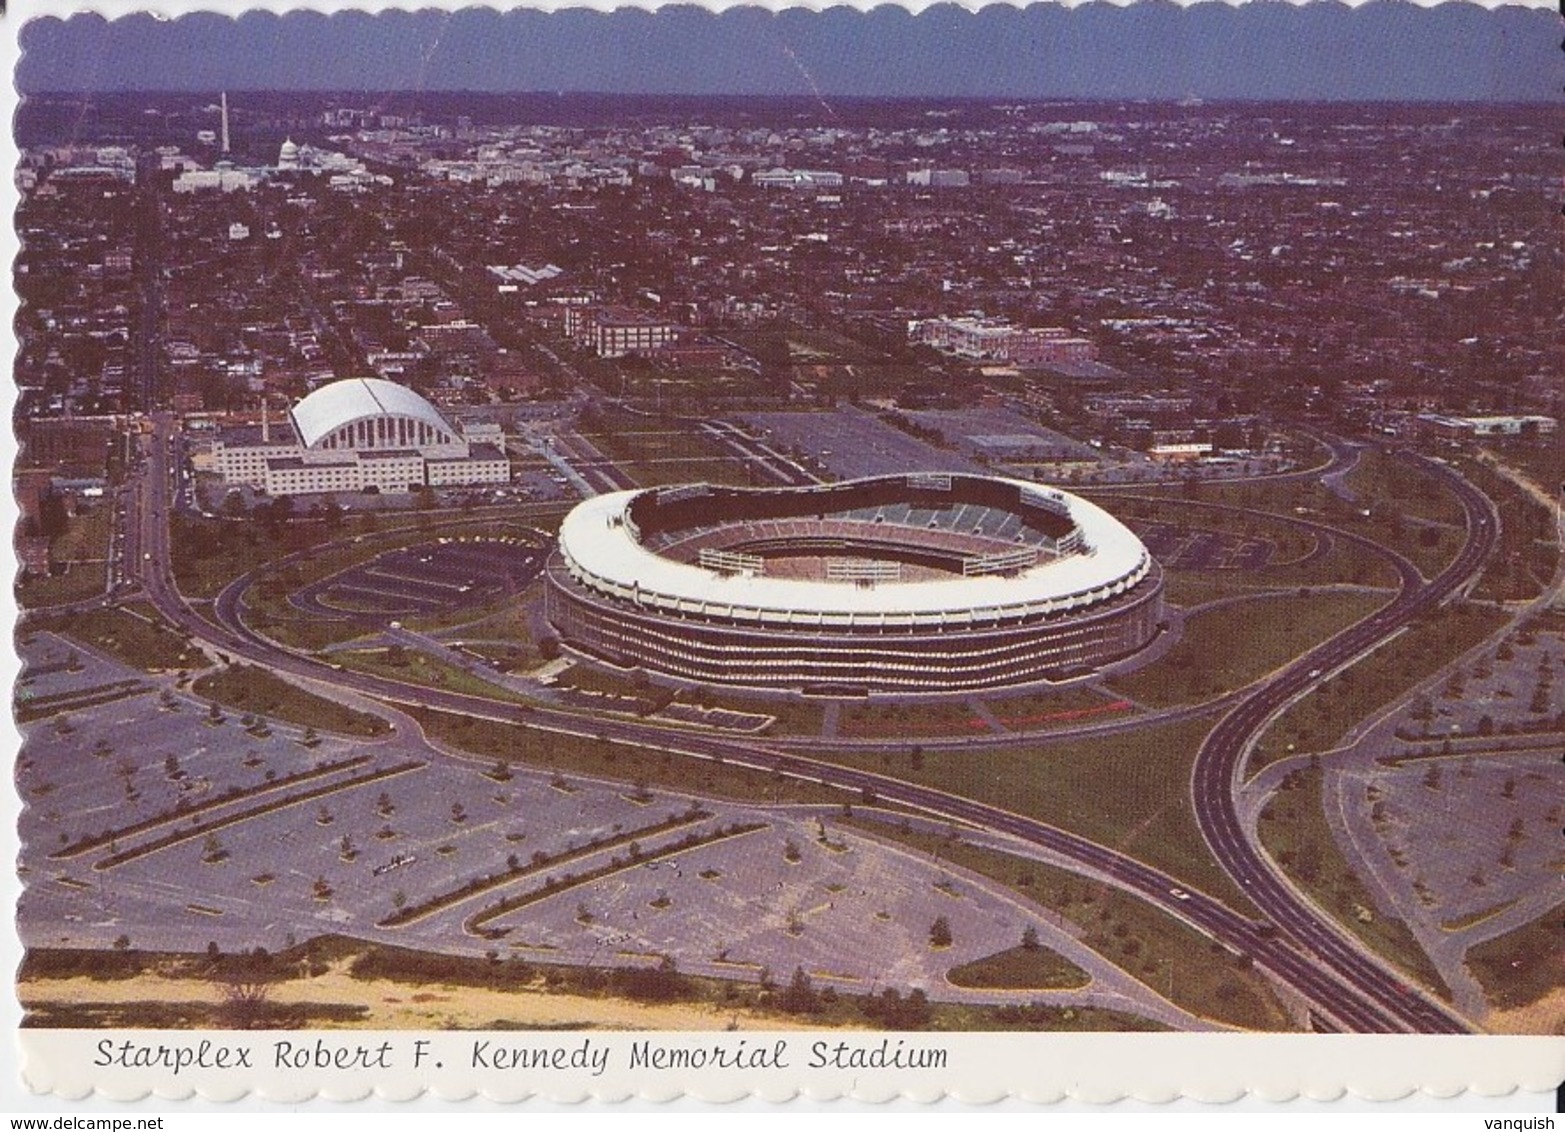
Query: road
x,y
1220,764
1344,986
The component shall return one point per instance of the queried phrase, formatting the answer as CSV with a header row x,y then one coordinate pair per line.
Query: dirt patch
x,y
1546,1016
388,1007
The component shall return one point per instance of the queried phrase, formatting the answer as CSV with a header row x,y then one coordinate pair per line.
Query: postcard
x,y
721,553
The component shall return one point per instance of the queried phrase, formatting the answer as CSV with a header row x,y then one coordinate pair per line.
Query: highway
x,y
1220,764
1346,988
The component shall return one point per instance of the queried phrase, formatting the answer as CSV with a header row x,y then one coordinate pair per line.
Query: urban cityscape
x,y
674,562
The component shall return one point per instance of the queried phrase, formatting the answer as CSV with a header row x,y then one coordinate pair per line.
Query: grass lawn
x,y
1233,645
1128,790
793,715
416,668
257,691
1020,968
1296,834
1521,966
1320,720
1189,588
1406,489
1062,708
141,641
1528,553
655,451
885,719
210,553
84,549
1153,947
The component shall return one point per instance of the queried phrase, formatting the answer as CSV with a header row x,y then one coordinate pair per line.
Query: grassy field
x,y
84,548
1062,708
1320,720
210,553
655,451
1129,790
259,692
1528,553
1233,645
411,667
1020,968
794,716
1541,461
880,719
1153,947
1521,966
132,635
1404,488
1296,834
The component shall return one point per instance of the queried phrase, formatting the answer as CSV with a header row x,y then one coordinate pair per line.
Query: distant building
x,y
1002,342
940,178
1462,428
797,179
616,332
357,434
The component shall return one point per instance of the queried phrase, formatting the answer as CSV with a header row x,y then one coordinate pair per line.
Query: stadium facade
x,y
361,433
927,582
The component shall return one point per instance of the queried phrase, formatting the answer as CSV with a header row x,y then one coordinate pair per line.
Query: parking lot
x,y
853,443
1001,435
432,578
1183,548
156,823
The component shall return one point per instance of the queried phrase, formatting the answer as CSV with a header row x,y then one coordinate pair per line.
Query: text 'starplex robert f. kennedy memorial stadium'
x,y
925,582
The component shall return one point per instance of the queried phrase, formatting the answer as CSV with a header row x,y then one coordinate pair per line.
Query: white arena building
x,y
927,582
357,434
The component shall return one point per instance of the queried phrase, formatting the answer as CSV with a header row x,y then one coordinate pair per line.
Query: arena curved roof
x,y
601,550
357,398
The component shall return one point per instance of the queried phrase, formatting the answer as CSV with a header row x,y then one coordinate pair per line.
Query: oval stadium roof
x,y
603,553
356,398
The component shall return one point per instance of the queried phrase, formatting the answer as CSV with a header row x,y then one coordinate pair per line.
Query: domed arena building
x,y
360,433
919,583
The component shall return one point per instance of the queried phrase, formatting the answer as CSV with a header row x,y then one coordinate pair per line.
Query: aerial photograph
x,y
1036,519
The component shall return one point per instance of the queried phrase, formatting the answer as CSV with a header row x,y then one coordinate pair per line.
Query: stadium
x,y
915,583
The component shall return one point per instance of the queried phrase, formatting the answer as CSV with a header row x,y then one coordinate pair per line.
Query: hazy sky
x,y
1385,49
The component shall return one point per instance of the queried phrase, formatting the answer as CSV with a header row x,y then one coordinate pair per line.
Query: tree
x,y
212,851
940,932
800,996
1030,938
